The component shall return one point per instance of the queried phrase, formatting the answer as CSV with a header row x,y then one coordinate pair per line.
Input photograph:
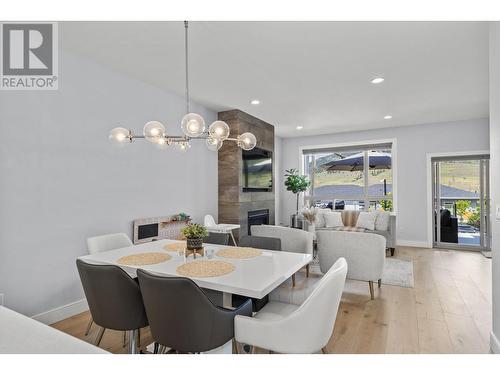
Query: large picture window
x,y
358,177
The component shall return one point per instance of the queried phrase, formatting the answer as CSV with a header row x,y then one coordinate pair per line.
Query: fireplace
x,y
257,217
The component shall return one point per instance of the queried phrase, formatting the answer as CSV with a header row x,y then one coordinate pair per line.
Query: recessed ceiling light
x,y
377,80
299,127
255,102
387,117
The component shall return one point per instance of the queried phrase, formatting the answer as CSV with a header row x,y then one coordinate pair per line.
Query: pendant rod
x,y
186,63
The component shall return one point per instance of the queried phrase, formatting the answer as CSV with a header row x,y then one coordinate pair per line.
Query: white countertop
x,y
22,335
255,277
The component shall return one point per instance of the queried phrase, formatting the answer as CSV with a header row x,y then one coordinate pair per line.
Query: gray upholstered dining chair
x,y
292,239
114,300
106,242
268,243
217,238
182,317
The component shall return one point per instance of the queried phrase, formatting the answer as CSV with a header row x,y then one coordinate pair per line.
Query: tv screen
x,y
257,170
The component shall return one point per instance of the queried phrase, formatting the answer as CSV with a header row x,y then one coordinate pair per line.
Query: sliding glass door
x,y
461,202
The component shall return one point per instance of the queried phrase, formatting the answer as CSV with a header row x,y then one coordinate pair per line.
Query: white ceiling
x,y
313,74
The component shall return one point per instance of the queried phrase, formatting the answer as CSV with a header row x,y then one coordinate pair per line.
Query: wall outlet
x,y
1,299
498,212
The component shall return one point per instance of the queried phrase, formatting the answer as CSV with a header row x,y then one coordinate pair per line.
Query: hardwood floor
x,y
447,311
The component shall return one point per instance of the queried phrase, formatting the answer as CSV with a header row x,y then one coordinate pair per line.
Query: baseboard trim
x,y
494,343
62,312
412,243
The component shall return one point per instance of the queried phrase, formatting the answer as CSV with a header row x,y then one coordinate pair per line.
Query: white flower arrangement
x,y
309,213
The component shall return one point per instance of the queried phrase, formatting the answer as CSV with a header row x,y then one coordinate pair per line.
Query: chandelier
x,y
192,125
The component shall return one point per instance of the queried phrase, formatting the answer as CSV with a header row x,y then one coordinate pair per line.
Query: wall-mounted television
x,y
257,170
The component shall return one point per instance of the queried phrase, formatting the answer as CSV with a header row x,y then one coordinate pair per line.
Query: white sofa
x,y
385,224
364,253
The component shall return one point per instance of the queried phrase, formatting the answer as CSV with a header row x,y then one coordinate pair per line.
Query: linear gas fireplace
x,y
257,217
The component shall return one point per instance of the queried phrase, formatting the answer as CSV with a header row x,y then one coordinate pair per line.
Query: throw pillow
x,y
320,219
382,220
333,219
367,220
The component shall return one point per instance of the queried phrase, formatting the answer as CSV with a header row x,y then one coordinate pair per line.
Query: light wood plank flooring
x,y
448,310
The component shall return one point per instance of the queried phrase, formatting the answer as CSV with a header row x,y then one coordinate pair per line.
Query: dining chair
x,y
292,239
267,243
295,329
217,238
258,242
102,243
182,317
114,300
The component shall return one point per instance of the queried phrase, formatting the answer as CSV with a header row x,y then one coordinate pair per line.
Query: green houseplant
x,y
194,233
296,183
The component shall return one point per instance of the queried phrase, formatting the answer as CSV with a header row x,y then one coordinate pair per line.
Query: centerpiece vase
x,y
194,243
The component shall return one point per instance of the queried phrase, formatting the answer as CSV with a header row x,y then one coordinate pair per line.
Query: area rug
x,y
397,272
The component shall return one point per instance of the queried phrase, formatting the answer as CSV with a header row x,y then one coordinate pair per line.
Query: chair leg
x,y
98,338
293,280
380,283
323,350
156,348
124,339
235,347
232,237
89,326
392,251
307,270
372,293
139,338
132,342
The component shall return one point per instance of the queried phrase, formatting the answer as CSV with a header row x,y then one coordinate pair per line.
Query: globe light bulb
x,y
247,141
219,130
153,131
183,146
119,136
163,143
213,144
193,125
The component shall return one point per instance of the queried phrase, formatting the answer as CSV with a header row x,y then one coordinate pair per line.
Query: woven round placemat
x,y
176,246
205,268
239,253
143,259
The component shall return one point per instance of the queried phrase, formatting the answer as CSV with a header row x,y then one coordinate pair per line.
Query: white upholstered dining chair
x,y
288,328
102,243
107,242
292,239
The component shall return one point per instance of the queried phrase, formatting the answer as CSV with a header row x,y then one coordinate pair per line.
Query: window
x,y
358,177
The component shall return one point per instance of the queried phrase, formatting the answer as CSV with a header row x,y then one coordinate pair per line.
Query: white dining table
x,y
255,277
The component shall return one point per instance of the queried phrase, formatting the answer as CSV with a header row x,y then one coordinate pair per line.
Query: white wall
x,y
495,176
413,145
62,181
278,144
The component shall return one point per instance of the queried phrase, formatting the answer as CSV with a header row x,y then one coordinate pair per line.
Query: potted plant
x,y
194,233
296,183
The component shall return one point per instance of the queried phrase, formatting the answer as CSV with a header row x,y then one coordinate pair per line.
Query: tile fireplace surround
x,y
234,203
